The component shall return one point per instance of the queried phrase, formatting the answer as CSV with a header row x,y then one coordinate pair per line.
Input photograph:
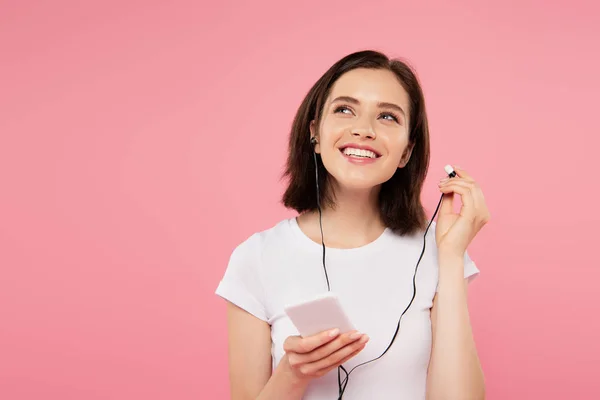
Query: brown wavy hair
x,y
400,197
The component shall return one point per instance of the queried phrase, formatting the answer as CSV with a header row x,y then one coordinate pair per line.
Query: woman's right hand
x,y
314,356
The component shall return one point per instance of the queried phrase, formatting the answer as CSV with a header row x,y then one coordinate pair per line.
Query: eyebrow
x,y
380,104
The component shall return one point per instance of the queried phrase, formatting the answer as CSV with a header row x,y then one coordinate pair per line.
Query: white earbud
x,y
450,171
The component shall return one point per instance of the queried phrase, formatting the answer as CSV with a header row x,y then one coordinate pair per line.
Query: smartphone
x,y
323,313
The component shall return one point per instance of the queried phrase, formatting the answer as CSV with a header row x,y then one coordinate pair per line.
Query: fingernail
x,y
365,339
444,180
355,335
334,332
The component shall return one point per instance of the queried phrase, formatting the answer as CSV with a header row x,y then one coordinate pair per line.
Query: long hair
x,y
400,197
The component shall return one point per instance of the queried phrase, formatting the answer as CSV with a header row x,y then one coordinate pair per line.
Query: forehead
x,y
370,85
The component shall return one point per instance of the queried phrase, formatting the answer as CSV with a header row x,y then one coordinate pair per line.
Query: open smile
x,y
361,154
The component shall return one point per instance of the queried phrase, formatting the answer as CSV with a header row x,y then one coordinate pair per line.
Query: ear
x,y
406,156
313,134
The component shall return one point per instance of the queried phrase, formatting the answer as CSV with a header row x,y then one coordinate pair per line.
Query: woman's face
x,y
363,134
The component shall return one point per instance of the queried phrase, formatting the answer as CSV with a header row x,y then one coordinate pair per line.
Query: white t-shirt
x,y
281,266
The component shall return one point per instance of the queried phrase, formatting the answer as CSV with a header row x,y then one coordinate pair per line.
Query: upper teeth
x,y
350,151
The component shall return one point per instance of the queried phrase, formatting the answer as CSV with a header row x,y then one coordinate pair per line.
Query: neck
x,y
355,211
354,221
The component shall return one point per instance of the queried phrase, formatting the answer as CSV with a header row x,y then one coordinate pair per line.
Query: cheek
x,y
396,153
396,145
333,129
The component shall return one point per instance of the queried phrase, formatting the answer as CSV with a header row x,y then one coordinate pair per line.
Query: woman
x,y
361,133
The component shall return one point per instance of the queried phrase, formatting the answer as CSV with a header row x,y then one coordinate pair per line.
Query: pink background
x,y
140,141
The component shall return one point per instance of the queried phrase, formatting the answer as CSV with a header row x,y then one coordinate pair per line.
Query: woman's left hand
x,y
454,231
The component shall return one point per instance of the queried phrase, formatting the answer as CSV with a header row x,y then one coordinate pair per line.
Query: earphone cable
x,y
343,383
320,218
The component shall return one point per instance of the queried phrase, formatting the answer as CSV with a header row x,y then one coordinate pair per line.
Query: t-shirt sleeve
x,y
241,284
471,270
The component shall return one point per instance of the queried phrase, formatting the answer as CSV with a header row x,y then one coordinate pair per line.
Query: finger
x,y
298,344
473,187
481,210
337,357
458,181
474,207
326,370
447,180
328,349
464,190
447,206
462,173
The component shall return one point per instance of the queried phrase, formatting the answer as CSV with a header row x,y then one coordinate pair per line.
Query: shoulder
x,y
424,235
427,237
243,281
254,245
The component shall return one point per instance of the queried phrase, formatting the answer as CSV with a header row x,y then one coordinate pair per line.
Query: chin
x,y
360,178
363,183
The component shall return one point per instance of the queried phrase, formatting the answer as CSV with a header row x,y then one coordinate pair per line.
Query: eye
x,y
391,117
342,109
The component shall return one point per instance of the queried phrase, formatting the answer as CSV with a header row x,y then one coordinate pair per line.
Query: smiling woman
x,y
365,99
372,124
358,156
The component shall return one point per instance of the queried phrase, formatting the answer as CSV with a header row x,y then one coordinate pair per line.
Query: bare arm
x,y
305,358
250,361
454,372
249,353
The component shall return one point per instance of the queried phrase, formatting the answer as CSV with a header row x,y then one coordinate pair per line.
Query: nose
x,y
364,130
366,133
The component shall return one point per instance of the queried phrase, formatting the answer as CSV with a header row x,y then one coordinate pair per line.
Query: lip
x,y
360,147
357,160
